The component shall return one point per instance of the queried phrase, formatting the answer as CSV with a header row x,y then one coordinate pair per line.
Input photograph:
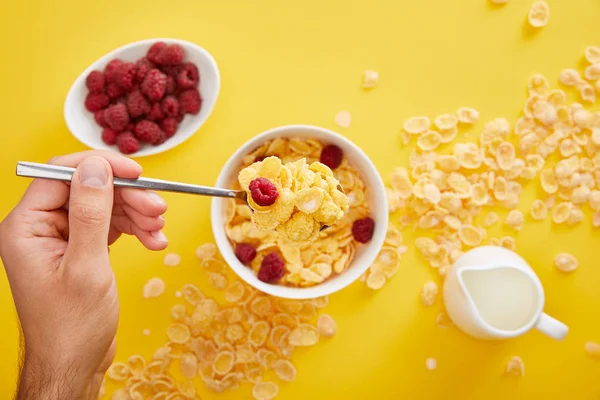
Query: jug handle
x,y
551,327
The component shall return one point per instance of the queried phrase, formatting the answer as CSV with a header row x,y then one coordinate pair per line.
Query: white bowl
x,y
81,122
365,254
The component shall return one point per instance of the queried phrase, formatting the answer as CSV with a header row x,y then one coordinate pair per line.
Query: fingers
x,y
144,201
152,240
145,223
90,208
46,195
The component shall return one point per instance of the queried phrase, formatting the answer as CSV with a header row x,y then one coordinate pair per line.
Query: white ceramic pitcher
x,y
505,266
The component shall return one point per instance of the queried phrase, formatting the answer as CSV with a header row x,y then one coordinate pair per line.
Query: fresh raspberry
x,y
130,127
147,131
171,70
179,118
170,106
190,101
99,117
156,113
169,126
96,101
110,72
155,50
95,82
142,66
137,104
124,75
171,85
332,156
109,136
161,139
171,54
362,229
263,191
154,85
188,77
114,91
271,269
245,252
116,117
127,143
259,158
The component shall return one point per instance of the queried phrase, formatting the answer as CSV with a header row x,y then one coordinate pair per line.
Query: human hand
x,y
54,246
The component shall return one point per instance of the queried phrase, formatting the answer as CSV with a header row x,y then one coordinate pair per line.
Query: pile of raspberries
x,y
143,102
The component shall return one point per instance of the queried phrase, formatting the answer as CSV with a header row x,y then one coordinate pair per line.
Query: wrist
x,y
46,379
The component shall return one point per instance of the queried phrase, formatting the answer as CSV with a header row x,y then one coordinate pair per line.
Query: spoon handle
x,y
56,172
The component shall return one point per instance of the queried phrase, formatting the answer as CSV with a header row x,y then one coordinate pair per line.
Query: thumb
x,y
90,207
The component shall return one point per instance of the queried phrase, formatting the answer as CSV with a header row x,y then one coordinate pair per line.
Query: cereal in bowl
x,y
289,250
295,199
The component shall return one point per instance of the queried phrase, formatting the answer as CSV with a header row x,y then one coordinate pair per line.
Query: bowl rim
x,y
349,276
80,80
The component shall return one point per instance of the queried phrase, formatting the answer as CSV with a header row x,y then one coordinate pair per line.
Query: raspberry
x,y
96,101
169,126
188,77
171,85
190,101
156,113
179,118
127,143
259,158
154,85
142,66
161,139
155,50
109,136
263,191
245,252
95,82
99,117
171,54
362,229
170,106
332,156
111,69
147,131
124,75
137,104
116,117
130,127
171,70
271,269
114,91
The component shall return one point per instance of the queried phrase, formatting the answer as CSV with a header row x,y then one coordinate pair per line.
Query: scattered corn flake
x,y
539,210
445,121
470,235
592,54
154,288
285,370
258,333
515,220
562,211
538,84
304,335
592,72
224,362
178,294
586,91
326,325
539,14
146,332
217,280
206,250
593,349
429,293
370,79
442,320
417,125
265,391
431,363
515,367
566,262
429,140
343,119
491,219
234,292
118,371
178,333
468,115
188,365
569,77
172,259
508,242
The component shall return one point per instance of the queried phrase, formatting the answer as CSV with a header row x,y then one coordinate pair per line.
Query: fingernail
x,y
156,198
160,236
92,172
161,218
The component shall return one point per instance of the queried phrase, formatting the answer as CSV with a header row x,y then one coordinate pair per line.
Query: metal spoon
x,y
59,173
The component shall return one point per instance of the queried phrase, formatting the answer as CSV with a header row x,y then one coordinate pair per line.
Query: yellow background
x,y
300,61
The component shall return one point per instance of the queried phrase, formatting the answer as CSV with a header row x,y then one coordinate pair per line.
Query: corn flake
x,y
417,125
515,367
429,293
539,14
566,262
265,391
304,335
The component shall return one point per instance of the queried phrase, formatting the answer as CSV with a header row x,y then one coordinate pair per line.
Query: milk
x,y
505,297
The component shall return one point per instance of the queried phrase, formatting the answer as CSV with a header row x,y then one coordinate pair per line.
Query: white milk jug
x,y
492,293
